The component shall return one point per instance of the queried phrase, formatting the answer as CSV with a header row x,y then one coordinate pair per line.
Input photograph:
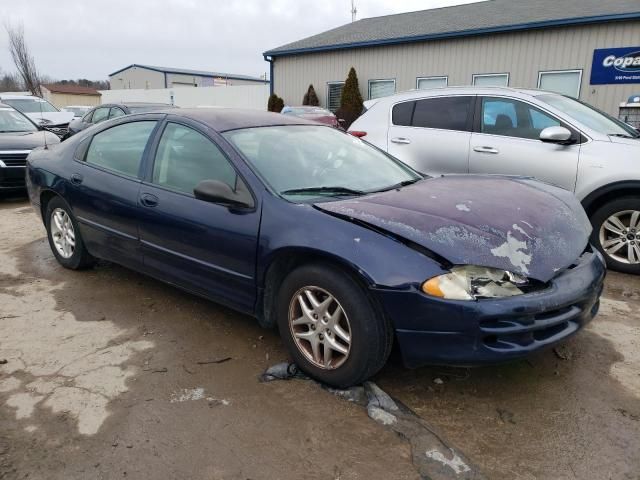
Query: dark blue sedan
x,y
341,246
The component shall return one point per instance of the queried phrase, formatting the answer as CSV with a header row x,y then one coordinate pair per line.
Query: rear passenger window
x,y
186,157
120,148
446,113
116,112
402,113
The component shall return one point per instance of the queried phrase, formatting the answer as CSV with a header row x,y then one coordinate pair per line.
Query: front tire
x,y
331,326
64,236
616,233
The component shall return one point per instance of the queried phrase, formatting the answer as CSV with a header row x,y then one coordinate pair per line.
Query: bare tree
x,y
25,65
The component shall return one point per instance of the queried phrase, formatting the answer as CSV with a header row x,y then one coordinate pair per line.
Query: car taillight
x,y
357,133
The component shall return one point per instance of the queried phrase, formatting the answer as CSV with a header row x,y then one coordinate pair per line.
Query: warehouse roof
x,y
184,71
491,16
71,89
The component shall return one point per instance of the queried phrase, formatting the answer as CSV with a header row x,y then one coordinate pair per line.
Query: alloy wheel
x,y
320,327
62,233
620,236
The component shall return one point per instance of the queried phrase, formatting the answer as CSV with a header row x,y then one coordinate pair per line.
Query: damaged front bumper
x,y
447,332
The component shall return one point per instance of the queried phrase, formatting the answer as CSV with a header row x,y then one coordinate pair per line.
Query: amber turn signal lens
x,y
432,287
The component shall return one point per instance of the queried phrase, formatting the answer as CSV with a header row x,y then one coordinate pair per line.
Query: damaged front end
x,y
467,282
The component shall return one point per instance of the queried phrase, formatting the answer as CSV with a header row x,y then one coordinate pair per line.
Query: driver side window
x,y
512,118
185,157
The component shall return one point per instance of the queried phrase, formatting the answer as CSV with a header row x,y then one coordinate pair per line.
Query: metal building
x,y
147,76
585,48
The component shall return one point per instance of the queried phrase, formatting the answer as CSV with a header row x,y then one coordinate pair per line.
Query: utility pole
x,y
354,11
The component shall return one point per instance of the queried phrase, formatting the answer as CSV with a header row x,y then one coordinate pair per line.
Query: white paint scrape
x,y
463,208
515,251
193,394
455,463
518,228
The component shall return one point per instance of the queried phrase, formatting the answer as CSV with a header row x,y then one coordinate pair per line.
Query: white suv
x,y
498,130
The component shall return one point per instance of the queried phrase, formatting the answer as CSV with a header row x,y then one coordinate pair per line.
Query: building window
x,y
566,82
334,95
423,83
491,80
381,88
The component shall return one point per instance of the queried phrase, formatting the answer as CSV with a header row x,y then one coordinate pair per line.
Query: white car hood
x,y
56,118
626,141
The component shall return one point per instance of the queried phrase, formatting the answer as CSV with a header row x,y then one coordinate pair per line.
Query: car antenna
x,y
44,132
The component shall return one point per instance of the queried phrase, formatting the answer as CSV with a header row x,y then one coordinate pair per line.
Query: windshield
x,y
30,105
589,116
12,121
302,162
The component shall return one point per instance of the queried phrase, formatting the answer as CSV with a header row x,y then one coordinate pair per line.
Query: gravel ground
x,y
109,374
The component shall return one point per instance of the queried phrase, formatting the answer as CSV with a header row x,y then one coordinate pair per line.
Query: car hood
x,y
56,118
25,140
626,141
515,224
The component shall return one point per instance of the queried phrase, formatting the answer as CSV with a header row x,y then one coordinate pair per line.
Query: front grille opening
x,y
546,333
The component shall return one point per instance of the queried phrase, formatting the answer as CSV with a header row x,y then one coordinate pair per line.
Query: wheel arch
x,y
45,197
602,195
284,261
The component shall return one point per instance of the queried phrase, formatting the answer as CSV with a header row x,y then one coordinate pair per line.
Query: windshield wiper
x,y
329,190
404,183
622,135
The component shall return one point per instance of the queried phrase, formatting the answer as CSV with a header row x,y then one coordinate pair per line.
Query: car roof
x,y
134,104
5,106
461,90
224,119
145,104
19,97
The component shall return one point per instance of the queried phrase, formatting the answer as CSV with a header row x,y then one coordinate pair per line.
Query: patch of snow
x,y
187,394
463,208
456,463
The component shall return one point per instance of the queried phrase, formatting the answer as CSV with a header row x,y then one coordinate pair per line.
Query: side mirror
x,y
559,135
215,191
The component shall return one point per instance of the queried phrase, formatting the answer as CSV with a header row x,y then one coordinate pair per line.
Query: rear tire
x,y
64,236
616,233
359,338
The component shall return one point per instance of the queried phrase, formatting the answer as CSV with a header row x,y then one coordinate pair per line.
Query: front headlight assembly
x,y
469,282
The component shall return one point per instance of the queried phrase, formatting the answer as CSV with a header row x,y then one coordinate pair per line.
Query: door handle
x,y
76,178
486,150
401,140
148,200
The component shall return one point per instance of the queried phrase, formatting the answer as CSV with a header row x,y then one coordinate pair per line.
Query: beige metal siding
x,y
62,100
138,78
135,77
523,55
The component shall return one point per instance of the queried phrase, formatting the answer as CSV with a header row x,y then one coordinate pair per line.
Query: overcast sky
x,y
90,39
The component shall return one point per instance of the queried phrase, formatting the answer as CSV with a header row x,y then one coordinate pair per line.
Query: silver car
x,y
498,130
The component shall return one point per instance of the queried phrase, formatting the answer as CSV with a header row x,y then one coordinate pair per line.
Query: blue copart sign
x,y
615,65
